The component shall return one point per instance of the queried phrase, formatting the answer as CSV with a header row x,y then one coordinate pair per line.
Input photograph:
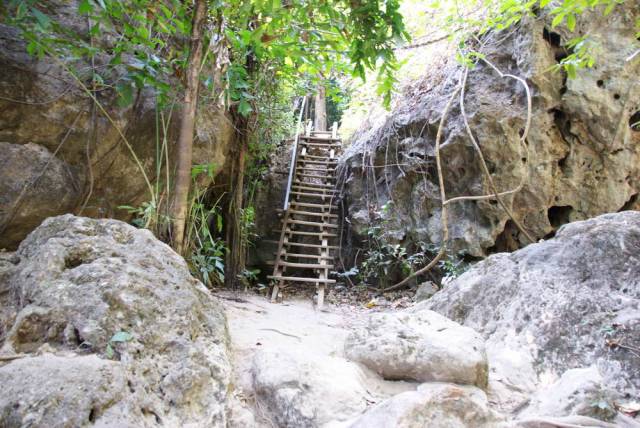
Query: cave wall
x,y
582,157
45,117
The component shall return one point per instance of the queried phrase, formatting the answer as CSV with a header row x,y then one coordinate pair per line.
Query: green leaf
x,y
244,108
109,352
85,6
610,8
557,20
571,22
42,19
543,3
121,336
125,94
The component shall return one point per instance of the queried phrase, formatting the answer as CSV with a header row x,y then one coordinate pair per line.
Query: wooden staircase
x,y
306,247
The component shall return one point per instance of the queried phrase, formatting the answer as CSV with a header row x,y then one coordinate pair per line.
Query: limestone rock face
x,y
43,105
577,392
107,289
423,346
438,405
34,185
572,301
300,390
52,391
582,157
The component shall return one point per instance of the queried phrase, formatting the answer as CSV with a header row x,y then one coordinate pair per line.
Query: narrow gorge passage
x,y
320,214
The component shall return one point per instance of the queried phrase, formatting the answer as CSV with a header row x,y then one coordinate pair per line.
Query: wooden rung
x,y
306,256
313,195
315,169
300,244
310,205
306,265
301,279
314,214
324,177
312,223
315,189
317,162
302,233
304,183
329,141
313,157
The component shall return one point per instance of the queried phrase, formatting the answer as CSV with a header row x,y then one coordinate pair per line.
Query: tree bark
x,y
187,125
321,108
235,260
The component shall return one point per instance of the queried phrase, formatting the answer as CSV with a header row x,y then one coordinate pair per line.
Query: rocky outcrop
x,y
422,347
303,390
436,405
41,104
567,303
582,157
34,185
108,326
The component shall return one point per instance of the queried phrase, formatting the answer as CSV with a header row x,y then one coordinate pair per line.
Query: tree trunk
x,y
321,108
235,260
187,125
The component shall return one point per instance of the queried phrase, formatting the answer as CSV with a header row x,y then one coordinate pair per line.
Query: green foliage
x,y
206,250
465,20
119,337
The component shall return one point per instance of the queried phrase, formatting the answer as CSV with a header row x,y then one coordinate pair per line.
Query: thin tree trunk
x,y
235,260
321,108
187,125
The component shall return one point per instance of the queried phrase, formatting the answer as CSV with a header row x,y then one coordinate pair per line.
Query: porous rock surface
x,y
299,389
570,302
422,346
42,104
582,156
437,405
80,281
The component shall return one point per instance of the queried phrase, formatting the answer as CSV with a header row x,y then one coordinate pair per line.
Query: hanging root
x,y
443,197
495,193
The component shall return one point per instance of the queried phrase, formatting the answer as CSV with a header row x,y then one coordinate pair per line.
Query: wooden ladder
x,y
309,216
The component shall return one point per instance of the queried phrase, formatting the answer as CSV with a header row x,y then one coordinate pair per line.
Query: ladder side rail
x,y
294,154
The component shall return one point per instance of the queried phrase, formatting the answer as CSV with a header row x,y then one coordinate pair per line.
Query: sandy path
x,y
293,326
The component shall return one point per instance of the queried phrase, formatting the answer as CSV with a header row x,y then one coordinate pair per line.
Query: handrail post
x,y
294,154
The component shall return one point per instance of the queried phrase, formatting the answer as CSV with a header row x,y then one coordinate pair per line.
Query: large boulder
x,y
582,157
436,405
299,389
422,346
102,287
572,301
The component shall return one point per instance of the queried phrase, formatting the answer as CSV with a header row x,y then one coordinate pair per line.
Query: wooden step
x,y
304,183
329,141
313,195
309,213
310,205
323,191
317,162
327,146
306,256
301,279
302,233
305,265
312,223
300,244
314,157
325,177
